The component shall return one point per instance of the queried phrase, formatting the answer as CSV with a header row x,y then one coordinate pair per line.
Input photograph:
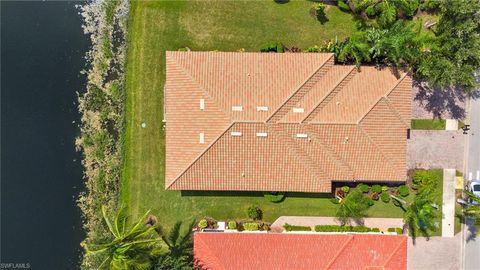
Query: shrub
x,y
370,202
254,213
334,200
345,189
273,47
250,226
274,196
375,230
385,197
203,224
395,230
375,196
384,188
371,12
232,224
397,203
363,188
343,6
315,48
377,189
403,190
290,228
319,10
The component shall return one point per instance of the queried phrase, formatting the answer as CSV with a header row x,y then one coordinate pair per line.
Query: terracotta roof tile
x,y
299,251
353,124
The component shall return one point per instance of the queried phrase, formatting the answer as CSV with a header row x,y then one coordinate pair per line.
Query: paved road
x,y
472,244
473,165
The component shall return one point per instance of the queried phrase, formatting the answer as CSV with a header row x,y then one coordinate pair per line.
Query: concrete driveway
x,y
429,149
435,254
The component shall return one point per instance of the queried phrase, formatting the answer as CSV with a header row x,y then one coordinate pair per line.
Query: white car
x,y
474,187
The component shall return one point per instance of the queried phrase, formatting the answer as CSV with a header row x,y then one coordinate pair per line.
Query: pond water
x,y
42,49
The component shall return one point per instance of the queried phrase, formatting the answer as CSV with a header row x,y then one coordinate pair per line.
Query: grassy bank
x,y
227,26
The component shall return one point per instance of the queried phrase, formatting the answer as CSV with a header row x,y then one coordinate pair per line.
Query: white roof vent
x,y
301,135
202,104
237,108
202,137
262,108
262,134
298,110
236,133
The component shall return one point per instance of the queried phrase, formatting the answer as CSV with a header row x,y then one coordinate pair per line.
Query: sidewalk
x,y
448,205
381,223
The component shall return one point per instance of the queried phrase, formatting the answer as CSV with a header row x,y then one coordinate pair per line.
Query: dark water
x,y
42,49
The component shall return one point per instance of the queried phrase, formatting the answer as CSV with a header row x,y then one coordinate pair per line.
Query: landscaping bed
x,y
428,124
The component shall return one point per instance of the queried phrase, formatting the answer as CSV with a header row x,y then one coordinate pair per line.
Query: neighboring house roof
x,y
281,122
215,251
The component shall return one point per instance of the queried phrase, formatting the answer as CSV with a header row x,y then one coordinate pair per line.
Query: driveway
x,y
429,149
435,254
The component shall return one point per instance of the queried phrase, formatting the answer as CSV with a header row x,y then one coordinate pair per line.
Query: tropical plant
x,y
385,197
352,207
319,10
403,190
129,247
420,215
355,50
345,189
472,209
254,212
232,225
250,226
179,255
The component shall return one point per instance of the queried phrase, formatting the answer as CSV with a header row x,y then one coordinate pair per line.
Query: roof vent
x,y
301,135
346,140
202,104
202,137
237,108
298,110
236,133
338,103
261,134
262,108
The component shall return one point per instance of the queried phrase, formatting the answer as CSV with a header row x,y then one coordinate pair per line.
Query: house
x,y
282,122
215,251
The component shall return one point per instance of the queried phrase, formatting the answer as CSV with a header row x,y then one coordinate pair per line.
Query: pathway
x,y
382,223
448,205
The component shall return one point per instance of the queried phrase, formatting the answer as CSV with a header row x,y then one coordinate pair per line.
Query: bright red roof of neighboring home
x,y
281,122
215,251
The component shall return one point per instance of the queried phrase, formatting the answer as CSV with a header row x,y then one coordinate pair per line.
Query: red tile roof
x,y
323,122
215,251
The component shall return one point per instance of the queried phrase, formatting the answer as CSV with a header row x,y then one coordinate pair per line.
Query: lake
x,y
42,54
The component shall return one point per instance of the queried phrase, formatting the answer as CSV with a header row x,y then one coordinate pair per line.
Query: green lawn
x,y
428,124
220,25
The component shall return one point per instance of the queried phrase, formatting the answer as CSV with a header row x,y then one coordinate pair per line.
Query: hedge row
x,y
338,228
290,228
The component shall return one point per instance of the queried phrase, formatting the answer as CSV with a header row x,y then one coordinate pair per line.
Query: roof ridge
x,y
383,96
334,258
397,114
175,179
182,69
330,152
400,244
379,150
298,151
353,69
299,87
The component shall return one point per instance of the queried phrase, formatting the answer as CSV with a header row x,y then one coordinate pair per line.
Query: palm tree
x,y
352,207
128,248
180,247
472,209
420,216
355,50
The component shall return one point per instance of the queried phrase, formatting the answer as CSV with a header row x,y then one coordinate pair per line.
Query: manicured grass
x,y
157,26
428,124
